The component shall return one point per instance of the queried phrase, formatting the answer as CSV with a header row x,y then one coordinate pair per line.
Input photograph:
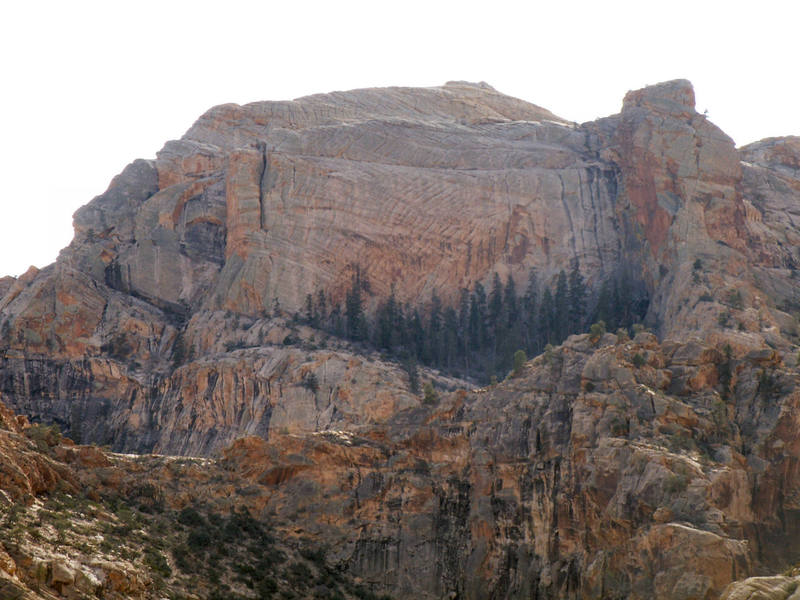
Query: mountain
x,y
660,460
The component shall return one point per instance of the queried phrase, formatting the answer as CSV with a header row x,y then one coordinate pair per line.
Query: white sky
x,y
86,87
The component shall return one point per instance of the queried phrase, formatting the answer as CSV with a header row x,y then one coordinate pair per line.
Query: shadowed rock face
x,y
152,332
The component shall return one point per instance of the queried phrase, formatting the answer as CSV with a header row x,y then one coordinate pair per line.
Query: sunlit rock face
x,y
660,467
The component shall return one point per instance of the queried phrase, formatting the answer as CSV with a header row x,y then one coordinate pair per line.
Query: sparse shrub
x,y
638,360
680,441
119,347
299,575
735,299
267,587
183,559
156,561
696,267
181,352
768,385
619,427
676,483
622,335
706,297
725,372
44,436
311,383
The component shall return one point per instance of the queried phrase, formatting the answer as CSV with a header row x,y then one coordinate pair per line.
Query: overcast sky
x,y
86,87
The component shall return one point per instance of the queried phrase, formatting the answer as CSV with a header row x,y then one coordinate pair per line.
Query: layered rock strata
x,y
663,467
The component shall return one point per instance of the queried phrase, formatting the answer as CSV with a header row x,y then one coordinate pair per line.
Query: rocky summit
x,y
303,331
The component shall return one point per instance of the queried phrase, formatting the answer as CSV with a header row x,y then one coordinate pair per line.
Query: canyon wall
x,y
660,467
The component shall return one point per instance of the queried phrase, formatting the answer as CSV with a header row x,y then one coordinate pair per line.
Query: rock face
x,y
584,477
660,467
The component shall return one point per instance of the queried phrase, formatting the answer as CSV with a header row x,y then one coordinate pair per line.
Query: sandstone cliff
x,y
661,467
424,190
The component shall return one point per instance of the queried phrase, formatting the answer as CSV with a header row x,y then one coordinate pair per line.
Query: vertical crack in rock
x,y
263,186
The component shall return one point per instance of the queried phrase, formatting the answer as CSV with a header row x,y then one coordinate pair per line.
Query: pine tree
x,y
399,329
547,318
410,367
310,314
416,335
463,320
354,314
519,362
530,315
622,302
577,299
450,338
510,305
337,322
387,323
560,299
479,316
402,333
605,309
321,308
434,346
495,304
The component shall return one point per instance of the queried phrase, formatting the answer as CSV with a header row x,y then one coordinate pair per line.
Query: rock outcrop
x,y
421,191
665,467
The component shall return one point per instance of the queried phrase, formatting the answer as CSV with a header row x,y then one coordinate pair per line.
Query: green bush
x,y
638,360
44,436
190,517
198,538
549,354
430,396
597,330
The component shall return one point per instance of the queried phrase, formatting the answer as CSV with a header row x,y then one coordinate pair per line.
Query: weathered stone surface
x,y
665,466
764,588
536,486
